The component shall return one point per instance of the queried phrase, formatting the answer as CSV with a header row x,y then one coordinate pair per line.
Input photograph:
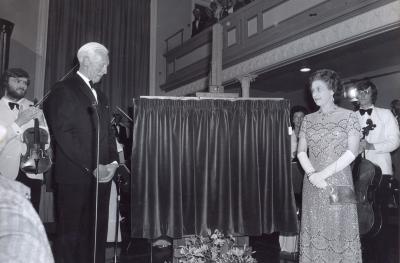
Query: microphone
x,y
94,107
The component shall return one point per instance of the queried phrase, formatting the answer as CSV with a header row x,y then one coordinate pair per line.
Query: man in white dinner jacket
x,y
377,146
17,115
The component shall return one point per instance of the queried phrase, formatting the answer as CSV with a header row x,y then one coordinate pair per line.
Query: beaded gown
x,y
329,233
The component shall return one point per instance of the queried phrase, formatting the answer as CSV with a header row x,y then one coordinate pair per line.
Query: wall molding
x,y
153,45
41,48
364,25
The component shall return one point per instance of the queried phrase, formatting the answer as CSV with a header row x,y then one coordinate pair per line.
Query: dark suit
x,y
198,27
72,121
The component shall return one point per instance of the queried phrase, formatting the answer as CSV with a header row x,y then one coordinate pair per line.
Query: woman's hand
x,y
317,180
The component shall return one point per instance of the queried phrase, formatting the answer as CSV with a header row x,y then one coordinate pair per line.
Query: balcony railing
x,y
257,28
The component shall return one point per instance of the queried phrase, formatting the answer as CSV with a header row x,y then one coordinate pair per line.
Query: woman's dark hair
x,y
297,108
364,85
332,80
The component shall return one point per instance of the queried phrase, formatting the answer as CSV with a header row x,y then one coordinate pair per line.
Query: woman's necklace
x,y
326,113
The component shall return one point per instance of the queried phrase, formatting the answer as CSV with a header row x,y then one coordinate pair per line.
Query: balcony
x,y
257,28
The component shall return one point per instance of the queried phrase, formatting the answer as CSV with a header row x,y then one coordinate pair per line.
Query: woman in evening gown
x,y
329,232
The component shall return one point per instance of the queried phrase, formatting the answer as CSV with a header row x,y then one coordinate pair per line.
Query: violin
x,y
367,177
37,159
370,126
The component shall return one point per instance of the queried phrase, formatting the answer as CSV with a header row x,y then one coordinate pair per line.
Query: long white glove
x,y
305,163
338,165
311,174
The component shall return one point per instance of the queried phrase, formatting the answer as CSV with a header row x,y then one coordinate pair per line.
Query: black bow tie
x,y
369,111
91,84
12,105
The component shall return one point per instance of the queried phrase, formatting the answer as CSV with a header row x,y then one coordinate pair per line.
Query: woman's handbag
x,y
341,194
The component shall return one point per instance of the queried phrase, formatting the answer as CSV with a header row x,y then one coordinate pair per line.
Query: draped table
x,y
201,164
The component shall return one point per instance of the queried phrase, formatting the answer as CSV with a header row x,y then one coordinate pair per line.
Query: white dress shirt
x,y
385,137
87,81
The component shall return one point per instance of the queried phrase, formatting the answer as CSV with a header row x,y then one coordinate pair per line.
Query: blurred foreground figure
x,y
22,235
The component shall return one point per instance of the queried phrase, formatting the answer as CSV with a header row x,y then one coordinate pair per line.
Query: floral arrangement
x,y
214,248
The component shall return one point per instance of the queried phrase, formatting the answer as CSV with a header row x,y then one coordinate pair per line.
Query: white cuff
x,y
16,128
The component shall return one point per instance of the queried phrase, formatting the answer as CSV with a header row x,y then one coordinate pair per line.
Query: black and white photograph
x,y
199,131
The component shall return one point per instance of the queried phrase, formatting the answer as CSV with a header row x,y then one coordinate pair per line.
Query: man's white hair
x,y
90,49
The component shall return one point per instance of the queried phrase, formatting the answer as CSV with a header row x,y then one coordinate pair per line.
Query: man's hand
x,y
25,116
102,171
106,172
364,145
369,146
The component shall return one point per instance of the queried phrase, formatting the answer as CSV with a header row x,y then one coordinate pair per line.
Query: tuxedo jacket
x,y
385,137
72,120
13,146
199,26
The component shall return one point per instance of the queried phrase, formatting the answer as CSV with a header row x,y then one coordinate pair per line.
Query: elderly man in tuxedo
x,y
377,146
71,110
17,115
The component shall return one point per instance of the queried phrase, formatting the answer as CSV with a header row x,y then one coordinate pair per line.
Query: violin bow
x,y
61,79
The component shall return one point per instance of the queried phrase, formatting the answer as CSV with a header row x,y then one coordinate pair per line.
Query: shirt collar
x,y
7,100
371,107
85,79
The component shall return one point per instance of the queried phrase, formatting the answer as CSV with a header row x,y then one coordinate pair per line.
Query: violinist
x,y
17,115
383,138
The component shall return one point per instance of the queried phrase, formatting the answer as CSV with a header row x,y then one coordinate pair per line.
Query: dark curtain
x,y
201,164
6,28
123,26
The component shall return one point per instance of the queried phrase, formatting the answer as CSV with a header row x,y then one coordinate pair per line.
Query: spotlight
x,y
351,93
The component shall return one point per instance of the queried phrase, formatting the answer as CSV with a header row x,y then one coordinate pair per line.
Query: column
x,y
245,81
215,84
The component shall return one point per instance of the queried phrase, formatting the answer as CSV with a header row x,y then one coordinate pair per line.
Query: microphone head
x,y
93,107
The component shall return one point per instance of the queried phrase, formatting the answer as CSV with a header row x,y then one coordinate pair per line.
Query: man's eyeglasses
x,y
364,92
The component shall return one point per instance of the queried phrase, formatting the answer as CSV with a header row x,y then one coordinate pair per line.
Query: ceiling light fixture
x,y
305,69
351,93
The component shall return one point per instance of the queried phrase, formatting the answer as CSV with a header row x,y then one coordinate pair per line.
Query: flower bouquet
x,y
214,248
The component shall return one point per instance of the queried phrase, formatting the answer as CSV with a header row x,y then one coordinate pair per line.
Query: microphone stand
x,y
118,181
94,106
115,122
117,218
